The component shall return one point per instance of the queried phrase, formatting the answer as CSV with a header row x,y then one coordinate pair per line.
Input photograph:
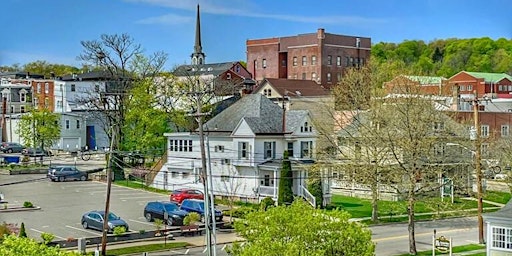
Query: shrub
x,y
23,233
239,212
158,224
266,203
315,187
191,218
142,231
285,192
28,204
47,237
119,230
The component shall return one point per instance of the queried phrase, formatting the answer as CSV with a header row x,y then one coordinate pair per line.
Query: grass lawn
x,y
498,197
144,248
358,207
139,185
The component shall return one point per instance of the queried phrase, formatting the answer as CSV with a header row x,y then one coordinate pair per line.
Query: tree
x,y
22,246
23,232
285,192
299,229
39,128
123,64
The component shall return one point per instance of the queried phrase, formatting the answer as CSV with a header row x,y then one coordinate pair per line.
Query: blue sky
x,y
52,30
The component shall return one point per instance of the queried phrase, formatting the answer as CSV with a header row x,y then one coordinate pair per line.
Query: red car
x,y
185,193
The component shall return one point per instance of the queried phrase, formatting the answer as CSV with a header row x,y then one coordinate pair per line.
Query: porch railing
x,y
308,196
267,191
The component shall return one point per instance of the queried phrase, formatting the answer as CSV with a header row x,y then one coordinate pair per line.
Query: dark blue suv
x,y
163,210
195,205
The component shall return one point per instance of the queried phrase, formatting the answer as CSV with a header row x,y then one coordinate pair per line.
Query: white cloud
x,y
169,19
246,10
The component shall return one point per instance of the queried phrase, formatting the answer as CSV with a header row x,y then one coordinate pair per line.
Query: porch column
x,y
275,183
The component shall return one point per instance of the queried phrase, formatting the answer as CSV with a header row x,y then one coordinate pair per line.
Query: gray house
x,y
499,231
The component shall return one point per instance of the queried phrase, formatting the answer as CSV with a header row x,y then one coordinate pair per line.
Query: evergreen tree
x,y
23,233
285,195
315,188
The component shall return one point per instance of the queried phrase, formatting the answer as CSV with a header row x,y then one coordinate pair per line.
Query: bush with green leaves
x,y
315,188
191,218
22,246
240,212
23,233
28,204
285,190
47,237
119,230
266,203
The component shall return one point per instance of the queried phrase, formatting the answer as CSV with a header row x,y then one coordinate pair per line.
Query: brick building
x,y
429,85
321,57
492,85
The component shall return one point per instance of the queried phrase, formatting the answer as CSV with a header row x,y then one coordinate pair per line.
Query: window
x,y
439,149
306,149
470,87
180,145
505,131
295,76
46,88
36,102
438,126
347,61
500,88
304,60
484,149
303,76
329,77
313,76
338,61
290,149
267,92
352,61
23,96
313,60
501,238
67,124
484,130
59,103
38,87
46,102
510,88
224,178
306,127
362,61
264,63
228,76
78,124
338,76
329,60
266,180
73,87
243,150
12,109
219,148
22,109
283,63
269,148
295,61
462,88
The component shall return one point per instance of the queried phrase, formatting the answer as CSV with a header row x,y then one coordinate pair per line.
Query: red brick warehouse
x,y
321,57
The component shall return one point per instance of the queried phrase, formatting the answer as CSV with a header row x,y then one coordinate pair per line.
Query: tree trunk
x,y
410,212
375,200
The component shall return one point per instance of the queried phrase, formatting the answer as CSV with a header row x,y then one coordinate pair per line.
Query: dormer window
x,y
306,127
438,126
267,92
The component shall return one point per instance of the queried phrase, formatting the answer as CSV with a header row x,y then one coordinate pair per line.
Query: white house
x,y
499,231
245,145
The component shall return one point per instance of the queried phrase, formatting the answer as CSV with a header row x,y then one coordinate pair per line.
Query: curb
x,y
20,209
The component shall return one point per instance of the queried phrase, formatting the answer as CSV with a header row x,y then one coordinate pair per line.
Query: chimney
x,y
28,75
320,34
455,97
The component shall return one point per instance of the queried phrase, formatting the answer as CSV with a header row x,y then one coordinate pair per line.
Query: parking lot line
x,y
84,230
134,197
40,232
142,222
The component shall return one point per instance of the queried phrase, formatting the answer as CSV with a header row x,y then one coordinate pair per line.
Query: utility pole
x,y
198,94
478,169
107,201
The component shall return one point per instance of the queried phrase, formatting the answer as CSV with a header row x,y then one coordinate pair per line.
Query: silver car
x,y
64,173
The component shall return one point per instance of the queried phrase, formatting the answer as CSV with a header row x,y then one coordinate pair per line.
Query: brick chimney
x,y
320,34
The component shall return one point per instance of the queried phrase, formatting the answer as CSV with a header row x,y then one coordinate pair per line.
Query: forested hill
x,y
446,57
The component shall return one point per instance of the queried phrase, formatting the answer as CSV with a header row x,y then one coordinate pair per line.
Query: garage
x,y
70,144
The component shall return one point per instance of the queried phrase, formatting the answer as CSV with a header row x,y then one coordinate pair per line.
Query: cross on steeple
x,y
198,56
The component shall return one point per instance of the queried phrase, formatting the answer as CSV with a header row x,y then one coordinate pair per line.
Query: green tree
x,y
285,192
299,229
39,128
42,67
315,188
22,246
23,232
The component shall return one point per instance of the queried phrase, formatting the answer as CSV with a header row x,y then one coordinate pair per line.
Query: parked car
x,y
179,195
63,173
195,205
159,210
11,147
94,220
35,152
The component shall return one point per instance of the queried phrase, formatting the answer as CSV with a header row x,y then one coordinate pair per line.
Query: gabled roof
x,y
425,80
294,88
260,113
214,69
489,77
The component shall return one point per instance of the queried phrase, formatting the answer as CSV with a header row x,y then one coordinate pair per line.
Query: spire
x,y
198,55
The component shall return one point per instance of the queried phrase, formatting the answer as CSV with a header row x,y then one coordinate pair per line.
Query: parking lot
x,y
63,203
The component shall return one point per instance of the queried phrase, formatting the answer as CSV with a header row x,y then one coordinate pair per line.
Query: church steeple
x,y
198,55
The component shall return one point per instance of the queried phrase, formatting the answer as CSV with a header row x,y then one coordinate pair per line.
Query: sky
x,y
52,30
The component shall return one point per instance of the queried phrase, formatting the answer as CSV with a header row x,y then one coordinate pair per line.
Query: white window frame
x,y
505,130
306,149
501,238
67,124
313,60
77,124
243,150
304,60
46,88
269,149
338,61
484,131
470,87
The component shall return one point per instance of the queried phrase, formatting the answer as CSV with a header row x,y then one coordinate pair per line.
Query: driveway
x,y
63,203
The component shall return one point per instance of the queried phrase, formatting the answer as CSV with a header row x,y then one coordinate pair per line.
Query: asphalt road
x,y
63,203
